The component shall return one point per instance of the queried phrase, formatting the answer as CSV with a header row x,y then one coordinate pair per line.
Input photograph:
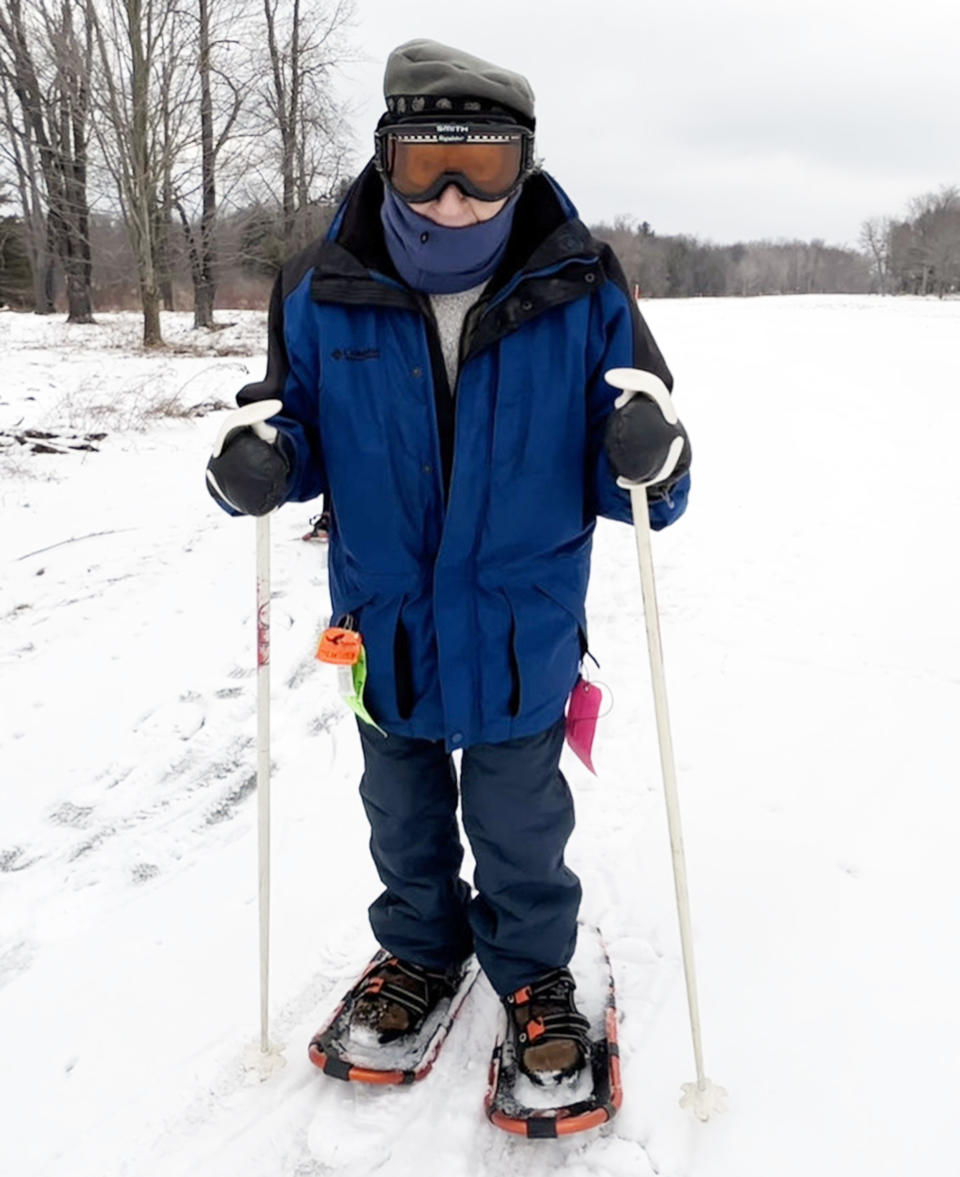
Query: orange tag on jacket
x,y
341,647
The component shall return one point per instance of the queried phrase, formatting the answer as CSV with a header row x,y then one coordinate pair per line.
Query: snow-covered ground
x,y
809,603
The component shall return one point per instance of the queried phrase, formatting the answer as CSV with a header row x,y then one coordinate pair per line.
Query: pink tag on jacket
x,y
583,708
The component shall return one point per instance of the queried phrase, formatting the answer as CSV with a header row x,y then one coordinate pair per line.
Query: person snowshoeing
x,y
440,358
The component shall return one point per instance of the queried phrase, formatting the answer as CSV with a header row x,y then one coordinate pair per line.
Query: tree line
x,y
166,153
919,253
684,267
158,115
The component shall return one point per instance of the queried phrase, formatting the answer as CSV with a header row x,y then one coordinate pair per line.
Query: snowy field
x,y
810,619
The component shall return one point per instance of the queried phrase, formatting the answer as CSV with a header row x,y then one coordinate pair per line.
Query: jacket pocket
x,y
575,608
515,698
403,667
547,640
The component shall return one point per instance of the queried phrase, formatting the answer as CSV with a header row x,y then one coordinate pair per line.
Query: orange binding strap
x,y
533,1029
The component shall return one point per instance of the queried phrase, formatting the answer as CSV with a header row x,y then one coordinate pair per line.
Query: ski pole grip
x,y
633,382
251,416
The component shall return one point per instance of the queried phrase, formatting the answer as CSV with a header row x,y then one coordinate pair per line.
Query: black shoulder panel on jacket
x,y
646,354
277,363
278,366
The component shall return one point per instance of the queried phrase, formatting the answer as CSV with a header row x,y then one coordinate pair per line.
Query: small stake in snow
x,y
703,1097
266,1056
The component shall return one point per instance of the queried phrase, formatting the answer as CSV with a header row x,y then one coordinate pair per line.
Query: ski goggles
x,y
488,162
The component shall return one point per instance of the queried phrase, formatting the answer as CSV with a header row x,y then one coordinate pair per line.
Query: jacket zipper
x,y
444,404
468,330
473,316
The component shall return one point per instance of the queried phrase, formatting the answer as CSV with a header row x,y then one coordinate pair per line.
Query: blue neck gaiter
x,y
440,260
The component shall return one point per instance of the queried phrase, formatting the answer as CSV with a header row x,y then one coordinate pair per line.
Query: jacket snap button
x,y
526,305
428,469
424,238
589,277
416,372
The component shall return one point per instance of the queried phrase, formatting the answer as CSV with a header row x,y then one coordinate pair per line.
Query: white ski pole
x,y
270,1057
702,1097
266,1057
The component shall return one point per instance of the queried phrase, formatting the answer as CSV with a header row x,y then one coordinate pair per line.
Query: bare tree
x,y
15,276
45,62
305,43
905,270
875,240
19,152
138,120
220,103
936,226
166,137
73,51
202,260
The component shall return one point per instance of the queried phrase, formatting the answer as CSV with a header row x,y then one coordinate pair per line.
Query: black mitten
x,y
638,440
249,474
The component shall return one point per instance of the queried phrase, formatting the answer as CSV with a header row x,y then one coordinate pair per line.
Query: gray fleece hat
x,y
424,78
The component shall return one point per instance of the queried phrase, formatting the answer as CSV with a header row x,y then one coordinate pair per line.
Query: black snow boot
x,y
319,527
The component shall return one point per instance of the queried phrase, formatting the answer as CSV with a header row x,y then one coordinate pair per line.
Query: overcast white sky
x,y
730,119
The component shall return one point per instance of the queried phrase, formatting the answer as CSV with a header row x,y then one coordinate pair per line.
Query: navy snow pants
x,y
518,814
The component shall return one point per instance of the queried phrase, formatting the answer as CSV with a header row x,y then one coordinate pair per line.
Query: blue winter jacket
x,y
462,519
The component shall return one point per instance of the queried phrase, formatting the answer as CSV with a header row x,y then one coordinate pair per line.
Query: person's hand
x,y
248,472
638,440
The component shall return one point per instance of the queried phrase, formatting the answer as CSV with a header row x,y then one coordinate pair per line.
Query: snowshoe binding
x,y
396,998
555,1069
390,1026
549,1032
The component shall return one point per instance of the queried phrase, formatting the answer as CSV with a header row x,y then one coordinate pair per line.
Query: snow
x,y
809,603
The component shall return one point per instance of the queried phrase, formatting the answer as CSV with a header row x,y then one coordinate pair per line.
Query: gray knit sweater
x,y
450,311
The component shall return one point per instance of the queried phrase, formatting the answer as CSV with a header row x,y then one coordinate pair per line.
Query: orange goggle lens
x,y
490,168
